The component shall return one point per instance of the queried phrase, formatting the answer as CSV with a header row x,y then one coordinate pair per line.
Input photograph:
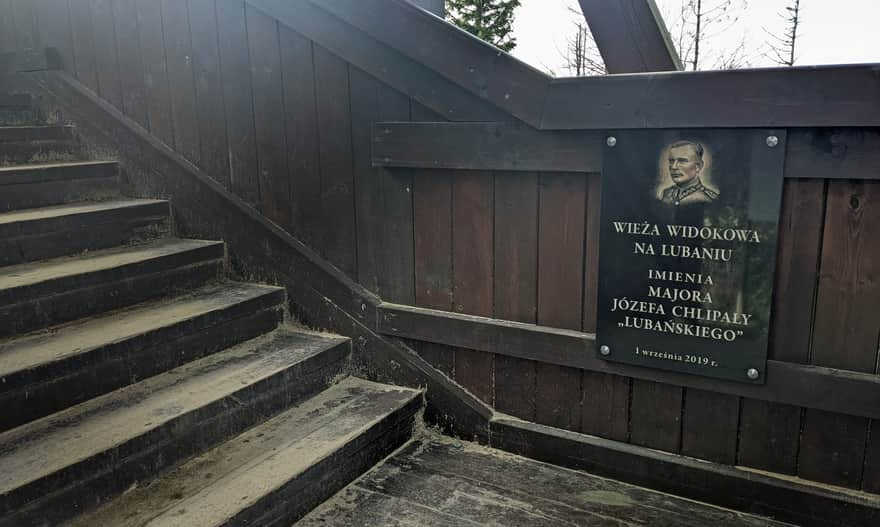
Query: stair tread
x,y
82,336
211,488
44,166
26,274
31,452
55,211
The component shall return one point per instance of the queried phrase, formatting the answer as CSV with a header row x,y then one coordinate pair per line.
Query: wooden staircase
x,y
139,384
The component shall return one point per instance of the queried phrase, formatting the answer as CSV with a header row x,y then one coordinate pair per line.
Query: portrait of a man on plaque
x,y
686,175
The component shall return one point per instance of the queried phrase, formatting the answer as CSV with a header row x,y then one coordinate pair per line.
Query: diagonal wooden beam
x,y
630,35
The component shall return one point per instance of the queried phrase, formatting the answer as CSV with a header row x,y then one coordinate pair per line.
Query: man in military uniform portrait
x,y
685,165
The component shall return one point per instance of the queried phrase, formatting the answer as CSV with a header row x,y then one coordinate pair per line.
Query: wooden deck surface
x,y
438,482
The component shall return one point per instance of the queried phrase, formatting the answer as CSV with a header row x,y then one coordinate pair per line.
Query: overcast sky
x,y
832,31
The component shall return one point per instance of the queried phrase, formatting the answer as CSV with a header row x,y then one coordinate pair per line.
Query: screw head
x,y
611,141
604,350
772,141
753,373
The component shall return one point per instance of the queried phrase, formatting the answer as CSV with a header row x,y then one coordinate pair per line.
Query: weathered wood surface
x,y
433,482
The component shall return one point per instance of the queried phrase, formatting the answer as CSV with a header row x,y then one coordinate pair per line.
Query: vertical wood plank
x,y
155,72
845,332
26,31
302,138
871,479
769,436
210,112
337,179
53,20
181,84
83,42
605,409
131,66
7,27
472,247
106,62
235,77
516,284
265,60
561,213
709,426
773,445
655,415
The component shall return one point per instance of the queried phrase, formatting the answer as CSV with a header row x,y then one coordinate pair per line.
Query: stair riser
x,y
317,484
99,292
85,485
17,153
22,134
68,235
27,189
121,364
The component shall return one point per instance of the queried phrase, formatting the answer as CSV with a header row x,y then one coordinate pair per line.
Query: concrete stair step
x,y
275,473
37,185
31,132
70,462
39,151
48,371
58,230
40,294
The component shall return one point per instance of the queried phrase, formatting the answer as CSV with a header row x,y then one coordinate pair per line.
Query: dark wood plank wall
x,y
285,123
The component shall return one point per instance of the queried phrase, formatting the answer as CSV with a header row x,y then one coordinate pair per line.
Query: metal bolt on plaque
x,y
611,141
752,373
604,350
772,141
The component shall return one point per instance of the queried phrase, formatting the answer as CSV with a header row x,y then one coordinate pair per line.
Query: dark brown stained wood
x,y
845,332
833,448
782,498
606,397
383,198
265,61
871,479
302,137
131,66
486,72
437,355
833,153
235,74
561,213
27,33
432,220
106,61
813,96
419,82
181,84
210,113
655,415
337,180
769,436
516,284
709,426
605,408
631,36
485,146
83,42
434,6
797,269
149,18
472,266
841,391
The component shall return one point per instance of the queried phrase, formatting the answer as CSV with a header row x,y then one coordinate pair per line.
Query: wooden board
x,y
54,23
210,111
131,66
181,84
337,179
515,285
655,415
149,20
560,288
472,265
769,436
238,100
84,44
709,426
106,60
271,140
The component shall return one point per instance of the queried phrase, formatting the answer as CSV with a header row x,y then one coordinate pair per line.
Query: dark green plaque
x,y
688,248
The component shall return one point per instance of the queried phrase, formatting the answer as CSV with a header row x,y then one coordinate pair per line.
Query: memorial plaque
x,y
688,249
